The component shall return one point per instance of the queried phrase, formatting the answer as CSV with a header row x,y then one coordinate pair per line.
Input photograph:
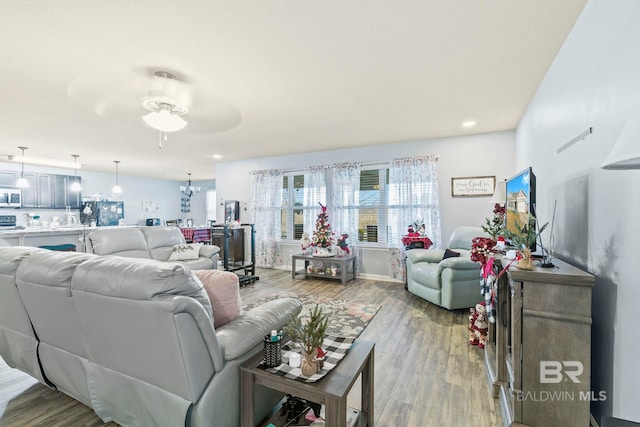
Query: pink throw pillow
x,y
224,292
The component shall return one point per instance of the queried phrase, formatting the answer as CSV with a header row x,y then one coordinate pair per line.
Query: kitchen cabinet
x,y
8,178
62,195
39,194
45,191
30,193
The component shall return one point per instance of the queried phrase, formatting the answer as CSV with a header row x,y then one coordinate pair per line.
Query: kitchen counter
x,y
42,236
45,236
34,230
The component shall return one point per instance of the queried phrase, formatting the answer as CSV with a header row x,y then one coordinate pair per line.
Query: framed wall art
x,y
473,186
231,211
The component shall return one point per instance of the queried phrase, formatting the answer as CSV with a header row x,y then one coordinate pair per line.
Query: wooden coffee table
x,y
346,265
330,391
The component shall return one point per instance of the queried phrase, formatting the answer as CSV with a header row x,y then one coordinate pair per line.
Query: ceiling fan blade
x,y
117,95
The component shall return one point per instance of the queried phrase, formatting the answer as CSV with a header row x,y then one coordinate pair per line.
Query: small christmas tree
x,y
494,227
323,236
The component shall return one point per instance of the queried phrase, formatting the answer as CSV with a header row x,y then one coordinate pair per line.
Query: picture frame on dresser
x,y
231,211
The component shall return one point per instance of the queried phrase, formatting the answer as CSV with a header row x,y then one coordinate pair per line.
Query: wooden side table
x,y
331,391
346,266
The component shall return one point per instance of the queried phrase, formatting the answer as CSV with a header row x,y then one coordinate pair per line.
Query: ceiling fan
x,y
151,96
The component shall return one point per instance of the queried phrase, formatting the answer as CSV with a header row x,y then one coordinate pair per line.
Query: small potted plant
x,y
523,239
310,336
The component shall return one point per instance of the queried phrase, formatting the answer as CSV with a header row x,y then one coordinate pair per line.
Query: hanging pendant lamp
x,y
22,181
116,188
76,184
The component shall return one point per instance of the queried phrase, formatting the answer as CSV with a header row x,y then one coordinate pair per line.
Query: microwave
x,y
10,197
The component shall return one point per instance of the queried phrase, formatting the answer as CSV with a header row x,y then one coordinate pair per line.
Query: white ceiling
x,y
300,75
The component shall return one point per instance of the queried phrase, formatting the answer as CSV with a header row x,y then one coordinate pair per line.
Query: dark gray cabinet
x,y
62,194
39,193
8,178
30,194
46,191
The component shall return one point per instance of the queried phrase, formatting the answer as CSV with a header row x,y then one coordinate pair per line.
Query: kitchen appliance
x,y
8,222
153,222
10,197
103,213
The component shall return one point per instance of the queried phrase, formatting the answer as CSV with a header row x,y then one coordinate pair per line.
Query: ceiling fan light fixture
x,y
165,110
164,119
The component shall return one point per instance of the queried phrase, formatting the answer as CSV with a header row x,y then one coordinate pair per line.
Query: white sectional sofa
x,y
148,242
132,338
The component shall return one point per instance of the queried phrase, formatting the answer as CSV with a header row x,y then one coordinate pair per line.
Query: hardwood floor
x,y
426,373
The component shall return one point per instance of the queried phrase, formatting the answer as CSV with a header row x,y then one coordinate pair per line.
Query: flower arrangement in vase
x,y
310,336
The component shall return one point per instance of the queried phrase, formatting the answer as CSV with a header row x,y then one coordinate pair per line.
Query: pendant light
x,y
22,182
116,188
76,185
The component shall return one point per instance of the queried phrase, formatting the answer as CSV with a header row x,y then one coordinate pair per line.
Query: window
x,y
292,213
372,210
211,204
384,209
372,207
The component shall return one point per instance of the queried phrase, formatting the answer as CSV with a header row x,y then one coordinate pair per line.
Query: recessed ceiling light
x,y
217,156
469,123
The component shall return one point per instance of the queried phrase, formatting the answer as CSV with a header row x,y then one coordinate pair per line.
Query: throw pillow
x,y
185,252
223,289
448,253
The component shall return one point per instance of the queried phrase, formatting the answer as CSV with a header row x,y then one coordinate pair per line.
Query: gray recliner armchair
x,y
452,282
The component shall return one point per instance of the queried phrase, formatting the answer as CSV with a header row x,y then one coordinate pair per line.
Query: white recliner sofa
x,y
451,283
148,242
132,338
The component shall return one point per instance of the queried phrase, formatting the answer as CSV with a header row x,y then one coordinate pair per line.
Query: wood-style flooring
x,y
426,373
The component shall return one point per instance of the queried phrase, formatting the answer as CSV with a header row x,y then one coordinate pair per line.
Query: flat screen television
x,y
521,199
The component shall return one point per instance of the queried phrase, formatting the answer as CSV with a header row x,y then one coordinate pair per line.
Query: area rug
x,y
346,318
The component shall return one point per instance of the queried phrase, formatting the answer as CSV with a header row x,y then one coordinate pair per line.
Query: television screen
x,y
521,199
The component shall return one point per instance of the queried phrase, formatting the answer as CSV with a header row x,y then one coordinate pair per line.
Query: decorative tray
x,y
323,255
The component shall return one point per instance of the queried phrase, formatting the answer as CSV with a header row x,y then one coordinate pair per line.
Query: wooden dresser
x,y
234,243
538,353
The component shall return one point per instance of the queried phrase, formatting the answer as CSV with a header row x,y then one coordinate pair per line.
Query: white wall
x,y
475,155
164,194
594,81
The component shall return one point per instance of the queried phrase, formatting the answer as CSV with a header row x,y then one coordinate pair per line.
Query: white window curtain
x,y
413,195
211,205
315,192
345,202
266,204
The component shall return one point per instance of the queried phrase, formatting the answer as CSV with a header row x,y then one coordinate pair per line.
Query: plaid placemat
x,y
335,347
